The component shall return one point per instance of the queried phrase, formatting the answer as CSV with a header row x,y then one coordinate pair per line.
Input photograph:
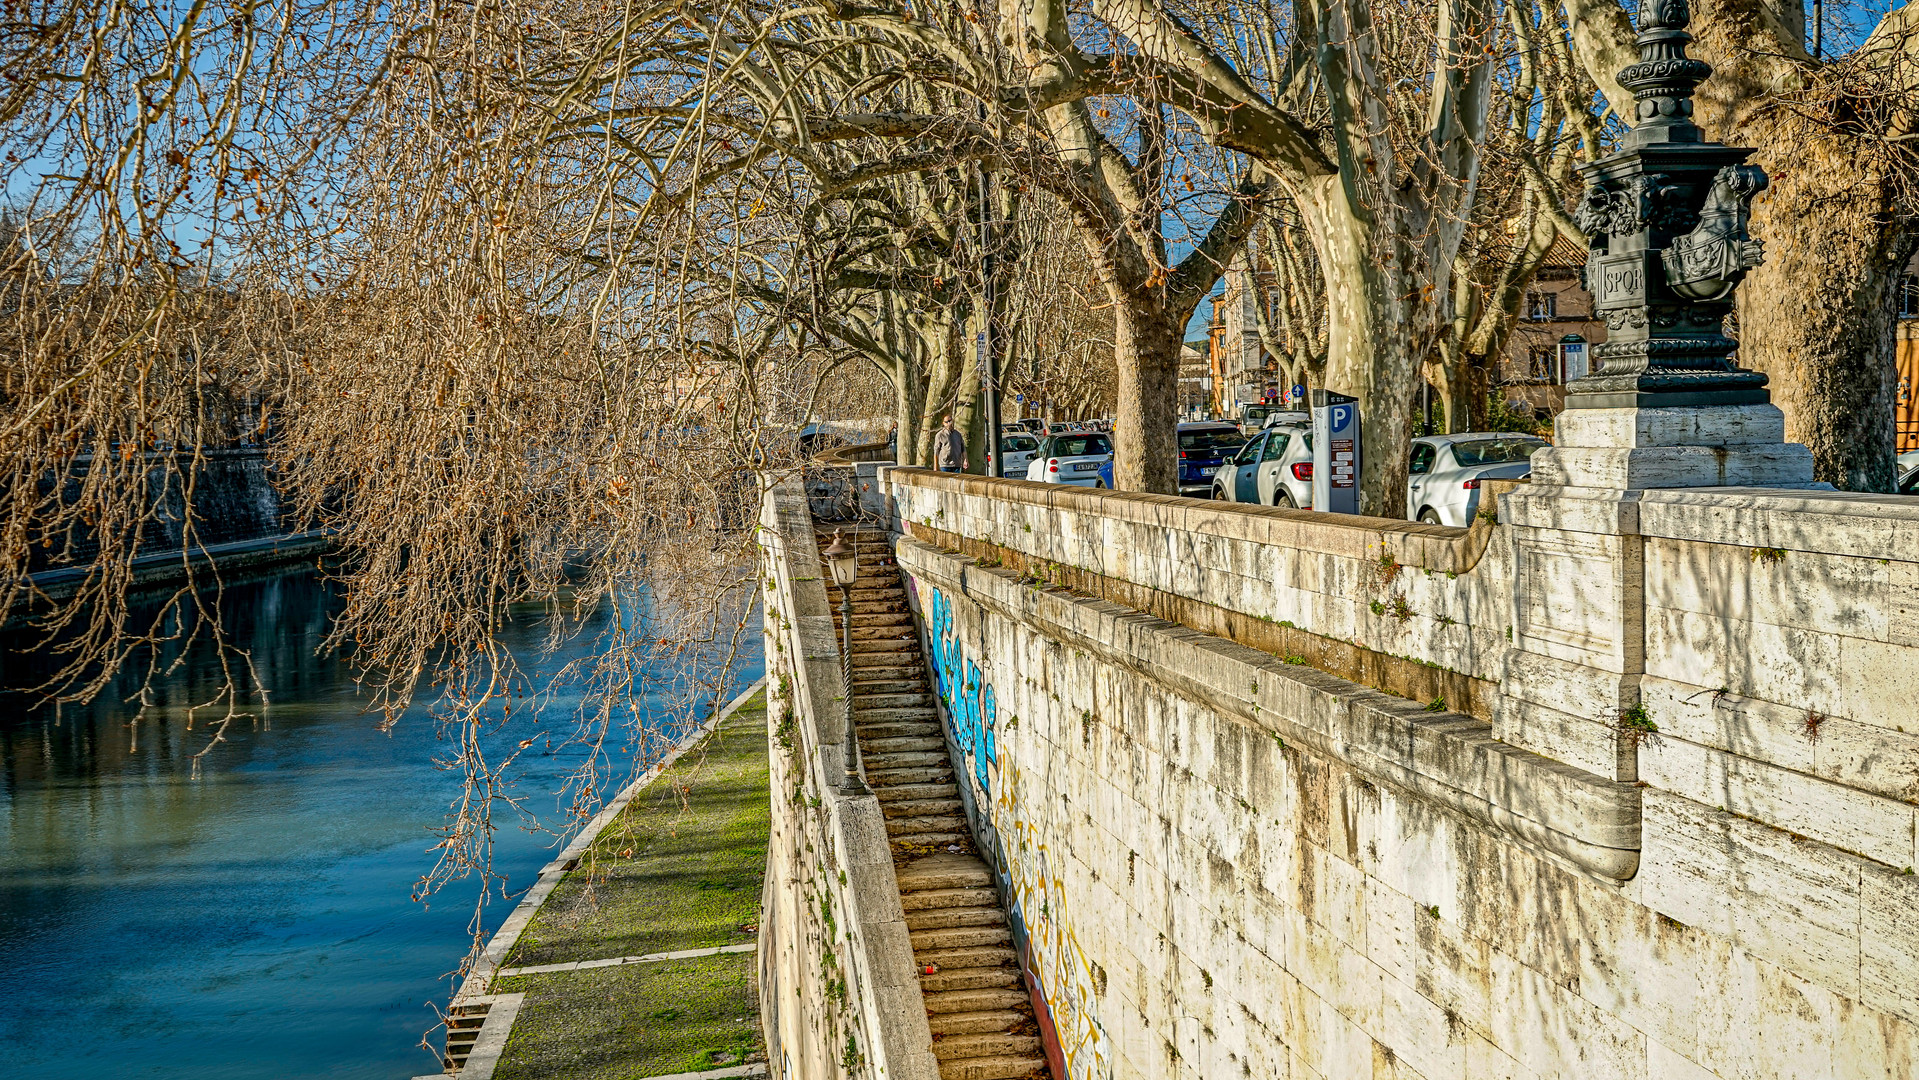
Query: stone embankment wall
x,y
838,993
1621,785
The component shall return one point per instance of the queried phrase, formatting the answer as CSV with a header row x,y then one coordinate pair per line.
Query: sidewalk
x,y
640,963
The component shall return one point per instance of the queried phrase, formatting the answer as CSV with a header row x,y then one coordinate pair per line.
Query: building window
x,y
1542,305
1909,297
1542,364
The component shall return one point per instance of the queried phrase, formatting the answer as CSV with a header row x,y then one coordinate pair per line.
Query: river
x,y
255,921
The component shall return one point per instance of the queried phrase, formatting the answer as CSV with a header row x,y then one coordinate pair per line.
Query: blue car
x,y
1203,449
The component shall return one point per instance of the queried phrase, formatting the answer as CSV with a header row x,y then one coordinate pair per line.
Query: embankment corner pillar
x,y
1570,685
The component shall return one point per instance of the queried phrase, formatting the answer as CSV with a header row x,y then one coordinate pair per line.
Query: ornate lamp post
x,y
844,562
1667,217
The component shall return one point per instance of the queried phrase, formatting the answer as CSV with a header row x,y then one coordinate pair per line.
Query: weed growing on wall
x,y
1636,726
1768,555
1810,726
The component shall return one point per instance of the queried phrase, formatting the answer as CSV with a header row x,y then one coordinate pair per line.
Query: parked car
x,y
1016,453
1443,474
1204,448
1065,427
1909,482
1075,458
1274,468
1907,460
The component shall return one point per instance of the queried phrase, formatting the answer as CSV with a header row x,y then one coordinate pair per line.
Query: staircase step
x,y
886,667
887,648
923,774
902,744
897,699
949,1002
930,899
928,842
921,759
980,978
987,1045
948,872
942,824
878,618
948,918
898,729
865,637
921,713
923,808
916,793
994,1068
979,956
960,937
974,1023
866,595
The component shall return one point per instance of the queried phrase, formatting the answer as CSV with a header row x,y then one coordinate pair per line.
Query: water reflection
x,y
253,922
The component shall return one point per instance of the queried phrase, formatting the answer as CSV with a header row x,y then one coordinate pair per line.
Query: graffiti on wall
x,y
1040,902
972,708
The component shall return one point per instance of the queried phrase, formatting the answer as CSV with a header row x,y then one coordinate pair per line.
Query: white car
x,y
1274,468
1074,458
1016,452
1907,460
1443,474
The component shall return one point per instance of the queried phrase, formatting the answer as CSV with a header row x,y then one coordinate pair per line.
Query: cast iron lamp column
x,y
845,564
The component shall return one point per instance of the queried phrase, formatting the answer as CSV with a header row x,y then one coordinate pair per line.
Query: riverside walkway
x,y
639,963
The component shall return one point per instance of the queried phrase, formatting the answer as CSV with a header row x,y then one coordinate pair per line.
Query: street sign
x,y
1335,452
1299,391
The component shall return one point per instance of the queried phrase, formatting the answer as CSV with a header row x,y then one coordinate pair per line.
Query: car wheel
x,y
1219,495
1284,500
1429,517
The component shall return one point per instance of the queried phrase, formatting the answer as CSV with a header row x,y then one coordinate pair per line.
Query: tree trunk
x,y
1373,345
1818,316
1146,350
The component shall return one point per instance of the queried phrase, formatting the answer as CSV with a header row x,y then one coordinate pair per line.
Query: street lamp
x,y
844,561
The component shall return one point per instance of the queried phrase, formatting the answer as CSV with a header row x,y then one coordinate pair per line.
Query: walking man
x,y
949,447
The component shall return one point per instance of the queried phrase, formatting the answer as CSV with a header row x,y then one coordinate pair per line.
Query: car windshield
x,y
1018,444
1259,412
1494,451
1080,445
1225,440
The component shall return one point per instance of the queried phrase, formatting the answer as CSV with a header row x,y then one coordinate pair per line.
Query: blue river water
x,y
255,921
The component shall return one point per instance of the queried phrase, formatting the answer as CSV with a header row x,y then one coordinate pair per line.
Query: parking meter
x,y
1335,452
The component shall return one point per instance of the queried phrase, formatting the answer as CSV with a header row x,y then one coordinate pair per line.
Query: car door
x,y
1245,469
1270,462
1418,471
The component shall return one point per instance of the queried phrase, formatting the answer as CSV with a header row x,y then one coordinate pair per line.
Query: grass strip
x,y
640,1020
680,868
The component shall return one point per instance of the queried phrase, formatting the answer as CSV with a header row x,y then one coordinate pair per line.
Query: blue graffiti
x,y
971,705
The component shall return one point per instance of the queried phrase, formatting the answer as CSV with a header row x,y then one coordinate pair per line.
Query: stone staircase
x,y
976,1004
